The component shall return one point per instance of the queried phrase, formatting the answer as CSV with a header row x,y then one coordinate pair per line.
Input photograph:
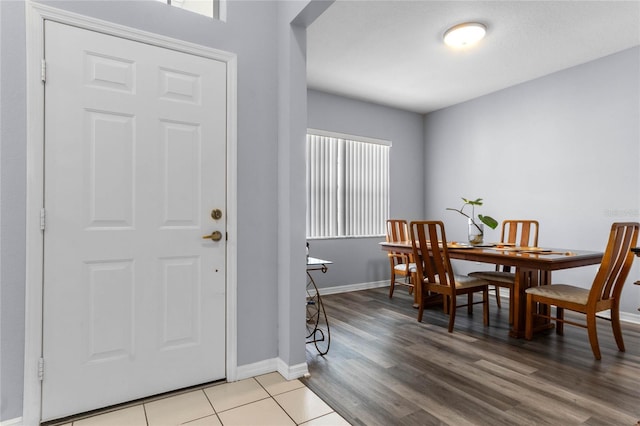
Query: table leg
x,y
519,299
526,278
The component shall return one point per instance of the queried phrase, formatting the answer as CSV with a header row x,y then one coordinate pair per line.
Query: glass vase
x,y
476,232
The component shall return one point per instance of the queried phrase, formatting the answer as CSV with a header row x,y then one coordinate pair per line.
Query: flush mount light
x,y
464,35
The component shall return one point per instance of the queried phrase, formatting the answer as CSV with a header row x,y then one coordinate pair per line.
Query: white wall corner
x,y
291,372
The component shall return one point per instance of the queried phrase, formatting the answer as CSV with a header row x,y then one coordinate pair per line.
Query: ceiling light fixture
x,y
464,35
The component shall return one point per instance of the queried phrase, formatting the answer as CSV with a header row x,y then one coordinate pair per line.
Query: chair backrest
x,y
616,263
397,230
430,253
522,233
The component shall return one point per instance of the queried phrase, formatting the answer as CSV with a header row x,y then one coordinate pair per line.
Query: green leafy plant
x,y
487,220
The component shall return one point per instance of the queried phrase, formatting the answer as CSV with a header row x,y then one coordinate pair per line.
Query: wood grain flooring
x,y
385,368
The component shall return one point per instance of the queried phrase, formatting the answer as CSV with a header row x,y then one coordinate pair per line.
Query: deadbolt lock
x,y
215,236
216,214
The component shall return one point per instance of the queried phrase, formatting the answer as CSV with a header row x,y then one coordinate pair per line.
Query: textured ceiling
x,y
391,52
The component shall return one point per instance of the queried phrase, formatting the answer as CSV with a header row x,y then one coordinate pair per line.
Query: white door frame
x,y
36,14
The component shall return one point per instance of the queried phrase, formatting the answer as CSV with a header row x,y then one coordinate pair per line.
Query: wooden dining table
x,y
532,266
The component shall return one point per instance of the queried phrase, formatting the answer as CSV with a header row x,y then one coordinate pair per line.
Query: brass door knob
x,y
215,236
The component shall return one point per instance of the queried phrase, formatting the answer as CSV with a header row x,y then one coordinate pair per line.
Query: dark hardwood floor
x,y
385,368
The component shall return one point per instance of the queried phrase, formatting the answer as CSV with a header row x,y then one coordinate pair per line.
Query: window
x,y
210,8
347,185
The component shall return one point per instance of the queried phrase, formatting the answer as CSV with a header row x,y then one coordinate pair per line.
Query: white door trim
x,y
36,14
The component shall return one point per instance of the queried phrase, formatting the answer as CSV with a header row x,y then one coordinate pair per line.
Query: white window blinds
x,y
347,186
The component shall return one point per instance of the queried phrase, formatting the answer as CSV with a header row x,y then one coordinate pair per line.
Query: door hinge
x,y
42,219
43,70
41,369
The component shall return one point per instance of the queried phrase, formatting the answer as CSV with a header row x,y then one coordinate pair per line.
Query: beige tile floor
x,y
263,400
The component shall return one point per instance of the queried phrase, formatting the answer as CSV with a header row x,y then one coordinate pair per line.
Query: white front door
x,y
134,297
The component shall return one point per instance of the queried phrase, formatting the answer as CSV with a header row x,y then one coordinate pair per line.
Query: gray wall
x,y
563,149
12,206
255,31
360,260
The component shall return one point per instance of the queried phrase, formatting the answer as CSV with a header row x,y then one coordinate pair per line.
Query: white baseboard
x,y
289,372
631,318
624,317
352,287
257,368
12,422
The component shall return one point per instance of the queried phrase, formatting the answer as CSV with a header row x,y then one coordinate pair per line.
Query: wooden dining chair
x,y
604,292
435,275
401,264
522,233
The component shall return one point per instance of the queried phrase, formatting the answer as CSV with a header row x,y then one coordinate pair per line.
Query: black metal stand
x,y
318,331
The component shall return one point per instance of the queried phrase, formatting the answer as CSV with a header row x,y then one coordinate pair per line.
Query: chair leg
x,y
452,311
469,303
485,306
560,323
593,335
393,282
615,326
528,326
497,290
421,305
